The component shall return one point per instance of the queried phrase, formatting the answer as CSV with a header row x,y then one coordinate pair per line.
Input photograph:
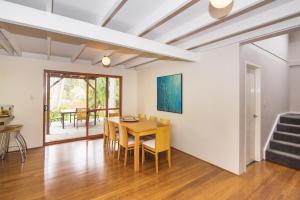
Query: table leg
x,y
95,118
63,120
70,118
136,152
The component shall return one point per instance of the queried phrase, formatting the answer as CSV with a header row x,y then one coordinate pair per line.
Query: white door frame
x,y
257,70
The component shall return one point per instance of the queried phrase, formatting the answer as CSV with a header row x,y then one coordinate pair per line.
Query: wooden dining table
x,y
138,129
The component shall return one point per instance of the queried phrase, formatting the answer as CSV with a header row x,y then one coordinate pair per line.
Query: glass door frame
x,y
46,101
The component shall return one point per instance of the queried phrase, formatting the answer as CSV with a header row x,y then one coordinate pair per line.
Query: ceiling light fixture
x,y
220,3
106,61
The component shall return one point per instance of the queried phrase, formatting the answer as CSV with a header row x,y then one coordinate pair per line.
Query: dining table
x,y
142,127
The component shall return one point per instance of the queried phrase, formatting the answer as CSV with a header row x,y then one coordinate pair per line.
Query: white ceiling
x,y
182,23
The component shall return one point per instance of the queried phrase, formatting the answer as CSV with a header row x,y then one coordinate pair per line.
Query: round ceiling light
x,y
220,3
105,61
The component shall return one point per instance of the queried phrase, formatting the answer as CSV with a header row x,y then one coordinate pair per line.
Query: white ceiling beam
x,y
257,34
205,20
49,22
263,16
118,4
98,58
166,11
5,44
49,6
142,62
48,47
12,42
78,52
123,59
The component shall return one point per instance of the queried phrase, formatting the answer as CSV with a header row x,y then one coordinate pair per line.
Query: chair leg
x,y
125,160
156,162
104,141
114,148
143,155
108,145
119,151
169,157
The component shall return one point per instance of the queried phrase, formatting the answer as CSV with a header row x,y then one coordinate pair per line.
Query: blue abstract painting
x,y
169,93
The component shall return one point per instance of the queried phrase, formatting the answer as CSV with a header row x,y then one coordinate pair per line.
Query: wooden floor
x,y
81,170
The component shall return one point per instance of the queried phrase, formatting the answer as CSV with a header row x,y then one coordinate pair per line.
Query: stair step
x,y
285,147
290,119
286,159
288,128
287,137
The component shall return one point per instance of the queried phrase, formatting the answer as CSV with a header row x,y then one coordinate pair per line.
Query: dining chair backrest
x,y
106,129
123,140
153,118
112,130
162,139
142,116
81,113
165,121
113,114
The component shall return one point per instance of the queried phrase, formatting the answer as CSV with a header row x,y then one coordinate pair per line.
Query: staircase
x,y
284,147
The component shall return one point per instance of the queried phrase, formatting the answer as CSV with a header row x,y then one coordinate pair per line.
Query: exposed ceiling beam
x,y
263,16
166,11
272,30
112,12
5,44
205,20
48,47
42,20
78,52
143,63
11,41
98,59
123,60
49,6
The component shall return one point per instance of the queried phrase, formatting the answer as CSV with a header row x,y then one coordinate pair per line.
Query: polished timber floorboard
x,y
82,170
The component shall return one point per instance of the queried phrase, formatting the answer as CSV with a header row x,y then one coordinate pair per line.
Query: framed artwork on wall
x,y
169,93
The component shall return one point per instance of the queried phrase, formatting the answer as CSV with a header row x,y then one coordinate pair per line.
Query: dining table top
x,y
142,125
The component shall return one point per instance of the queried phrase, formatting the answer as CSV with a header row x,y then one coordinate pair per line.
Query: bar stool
x,y
5,136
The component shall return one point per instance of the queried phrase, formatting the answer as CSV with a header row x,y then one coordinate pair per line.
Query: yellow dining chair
x,y
106,134
161,143
153,118
81,114
164,121
113,136
142,116
125,142
113,114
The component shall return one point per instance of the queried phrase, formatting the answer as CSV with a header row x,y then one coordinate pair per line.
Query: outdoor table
x,y
73,112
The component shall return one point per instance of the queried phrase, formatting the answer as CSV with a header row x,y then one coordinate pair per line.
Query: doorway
x,y
253,113
75,104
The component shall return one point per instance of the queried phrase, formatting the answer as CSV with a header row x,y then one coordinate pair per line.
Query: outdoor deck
x,y
57,133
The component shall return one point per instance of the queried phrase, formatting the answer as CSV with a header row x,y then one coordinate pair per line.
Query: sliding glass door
x,y
75,104
114,95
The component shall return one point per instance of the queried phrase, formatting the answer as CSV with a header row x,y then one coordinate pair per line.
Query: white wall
x,y
208,128
21,84
278,46
294,47
274,87
294,81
